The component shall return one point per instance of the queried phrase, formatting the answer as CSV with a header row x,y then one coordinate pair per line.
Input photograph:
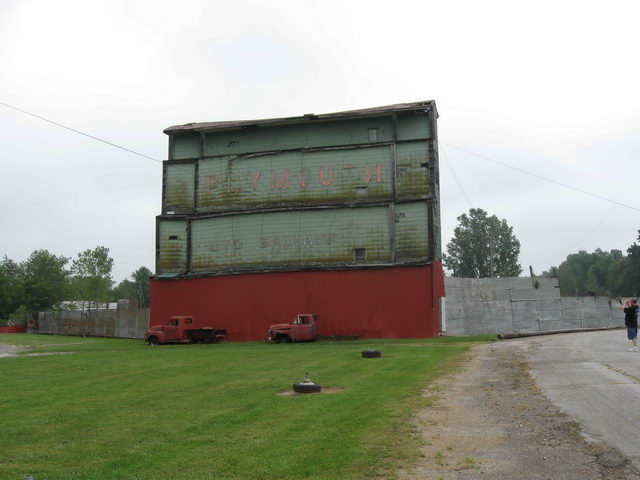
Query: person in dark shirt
x,y
630,308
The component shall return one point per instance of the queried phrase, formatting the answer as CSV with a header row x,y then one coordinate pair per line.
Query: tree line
x,y
45,280
485,246
601,272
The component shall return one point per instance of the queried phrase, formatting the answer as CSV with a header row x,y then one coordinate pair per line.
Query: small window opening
x,y
188,321
173,237
359,254
373,134
361,191
174,322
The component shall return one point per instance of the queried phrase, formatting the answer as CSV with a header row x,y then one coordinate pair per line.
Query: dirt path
x,y
9,350
490,421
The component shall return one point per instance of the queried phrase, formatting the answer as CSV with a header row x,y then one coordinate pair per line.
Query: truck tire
x,y
306,388
153,341
371,354
284,339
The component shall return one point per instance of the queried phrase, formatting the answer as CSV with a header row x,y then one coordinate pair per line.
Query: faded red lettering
x,y
329,178
301,181
368,174
254,180
231,189
212,181
281,182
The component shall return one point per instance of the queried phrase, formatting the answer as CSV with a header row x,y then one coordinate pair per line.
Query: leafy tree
x,y
11,286
482,246
92,275
597,273
20,315
45,280
125,290
629,275
141,279
137,289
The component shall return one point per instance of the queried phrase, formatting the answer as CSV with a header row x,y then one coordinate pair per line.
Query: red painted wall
x,y
398,302
13,329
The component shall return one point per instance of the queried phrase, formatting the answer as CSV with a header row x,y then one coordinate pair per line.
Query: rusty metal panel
x,y
322,134
411,231
399,302
185,146
179,187
295,177
172,240
343,236
413,170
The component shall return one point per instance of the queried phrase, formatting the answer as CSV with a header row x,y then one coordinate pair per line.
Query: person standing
x,y
630,308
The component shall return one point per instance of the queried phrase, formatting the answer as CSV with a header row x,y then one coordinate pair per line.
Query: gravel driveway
x,y
492,421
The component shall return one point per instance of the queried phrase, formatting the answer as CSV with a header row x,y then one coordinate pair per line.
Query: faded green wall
x,y
305,237
172,251
295,177
346,163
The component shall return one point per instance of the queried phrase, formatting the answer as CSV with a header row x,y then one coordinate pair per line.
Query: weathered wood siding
x,y
348,192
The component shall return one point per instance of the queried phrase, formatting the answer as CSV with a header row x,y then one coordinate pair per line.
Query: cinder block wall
x,y
128,321
521,305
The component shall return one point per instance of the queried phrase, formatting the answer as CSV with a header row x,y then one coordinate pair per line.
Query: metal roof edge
x,y
310,117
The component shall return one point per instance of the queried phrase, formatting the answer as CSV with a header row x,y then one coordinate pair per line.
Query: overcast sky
x,y
549,87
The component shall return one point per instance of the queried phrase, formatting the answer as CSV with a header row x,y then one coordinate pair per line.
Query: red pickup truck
x,y
302,329
182,329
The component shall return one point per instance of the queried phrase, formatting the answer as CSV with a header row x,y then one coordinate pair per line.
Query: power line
x,y
81,133
580,241
456,177
540,177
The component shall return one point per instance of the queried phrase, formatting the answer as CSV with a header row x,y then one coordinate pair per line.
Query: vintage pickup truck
x,y
182,329
302,329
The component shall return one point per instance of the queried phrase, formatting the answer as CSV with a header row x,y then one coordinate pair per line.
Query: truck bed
x,y
207,335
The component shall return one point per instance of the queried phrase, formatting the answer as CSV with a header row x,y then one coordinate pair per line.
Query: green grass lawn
x,y
119,409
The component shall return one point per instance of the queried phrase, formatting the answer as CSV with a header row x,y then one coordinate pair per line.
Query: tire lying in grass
x,y
371,354
306,387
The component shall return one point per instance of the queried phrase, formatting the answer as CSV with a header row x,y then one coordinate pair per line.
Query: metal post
x,y
491,253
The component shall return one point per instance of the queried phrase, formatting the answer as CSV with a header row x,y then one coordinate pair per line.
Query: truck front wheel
x,y
153,341
284,339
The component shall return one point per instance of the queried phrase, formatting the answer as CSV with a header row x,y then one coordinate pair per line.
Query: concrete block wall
x,y
127,321
521,305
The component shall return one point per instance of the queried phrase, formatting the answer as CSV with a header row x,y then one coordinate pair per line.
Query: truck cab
x,y
303,328
182,329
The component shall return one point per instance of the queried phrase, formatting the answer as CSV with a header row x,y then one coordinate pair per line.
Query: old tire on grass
x,y
371,354
153,341
306,387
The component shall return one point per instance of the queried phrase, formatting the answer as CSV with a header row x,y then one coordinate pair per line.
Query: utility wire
x,y
453,172
545,264
540,177
81,133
